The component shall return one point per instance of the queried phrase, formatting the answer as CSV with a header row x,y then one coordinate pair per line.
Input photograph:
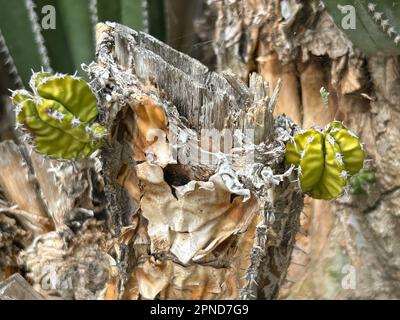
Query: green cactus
x,y
325,159
71,42
377,25
59,115
362,182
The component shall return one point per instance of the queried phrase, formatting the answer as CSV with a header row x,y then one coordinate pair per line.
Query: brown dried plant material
x,y
271,69
169,280
12,238
17,288
19,187
72,266
207,222
150,131
193,219
128,179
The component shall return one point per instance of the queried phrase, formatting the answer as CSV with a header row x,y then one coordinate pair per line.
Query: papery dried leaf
x,y
194,219
170,280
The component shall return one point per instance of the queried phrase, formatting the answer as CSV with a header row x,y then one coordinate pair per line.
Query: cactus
x,y
377,25
71,42
59,115
325,159
362,182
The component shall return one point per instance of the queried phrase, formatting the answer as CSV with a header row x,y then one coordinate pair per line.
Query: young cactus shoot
x,y
59,115
325,159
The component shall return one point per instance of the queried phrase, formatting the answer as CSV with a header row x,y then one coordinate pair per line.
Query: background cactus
x,y
59,115
377,25
325,159
362,182
71,42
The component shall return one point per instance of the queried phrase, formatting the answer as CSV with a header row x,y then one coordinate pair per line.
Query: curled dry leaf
x,y
170,280
191,220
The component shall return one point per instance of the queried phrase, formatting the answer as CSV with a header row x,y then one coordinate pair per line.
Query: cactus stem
x,y
30,6
12,69
145,11
384,23
93,14
332,176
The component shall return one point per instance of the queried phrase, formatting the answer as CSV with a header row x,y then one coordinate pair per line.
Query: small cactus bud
x,y
325,159
57,114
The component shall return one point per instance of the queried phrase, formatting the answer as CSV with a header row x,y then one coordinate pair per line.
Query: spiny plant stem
x,y
9,63
30,6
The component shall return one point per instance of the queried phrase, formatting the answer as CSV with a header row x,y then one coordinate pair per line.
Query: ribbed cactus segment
x,y
377,27
325,159
59,115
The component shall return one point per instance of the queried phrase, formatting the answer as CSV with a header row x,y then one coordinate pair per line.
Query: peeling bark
x,y
299,43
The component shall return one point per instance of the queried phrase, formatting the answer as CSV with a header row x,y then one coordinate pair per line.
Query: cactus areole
x,y
325,159
59,115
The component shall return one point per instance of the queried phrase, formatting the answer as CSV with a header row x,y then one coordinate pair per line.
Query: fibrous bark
x,y
298,42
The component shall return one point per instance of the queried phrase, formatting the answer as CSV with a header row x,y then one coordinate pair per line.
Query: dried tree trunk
x,y
135,222
298,43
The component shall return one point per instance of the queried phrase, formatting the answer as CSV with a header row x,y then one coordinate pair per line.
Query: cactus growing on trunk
x,y
325,159
59,115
